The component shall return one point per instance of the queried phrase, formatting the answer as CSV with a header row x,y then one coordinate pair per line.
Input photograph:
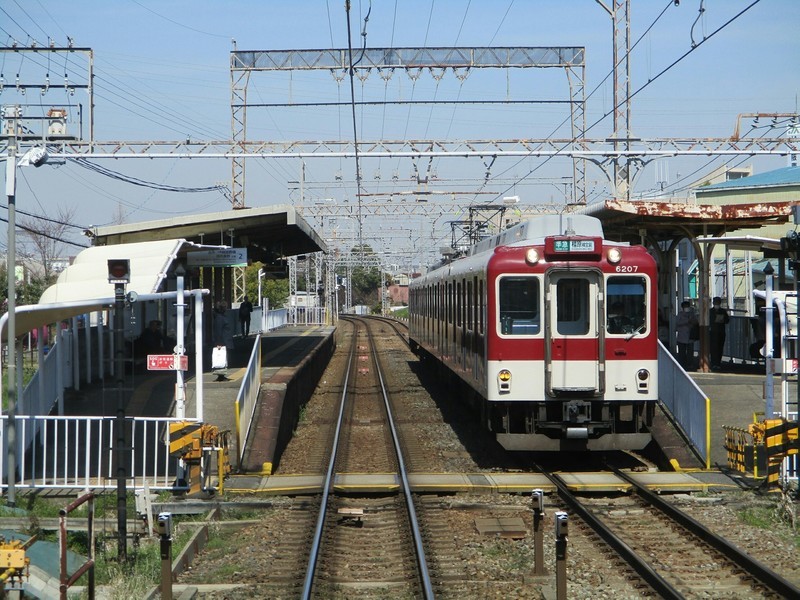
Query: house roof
x,y
787,176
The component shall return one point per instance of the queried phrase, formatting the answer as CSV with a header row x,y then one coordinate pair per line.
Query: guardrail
x,y
78,452
689,407
247,399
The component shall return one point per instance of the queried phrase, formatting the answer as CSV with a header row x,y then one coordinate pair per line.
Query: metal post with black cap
x,y
119,273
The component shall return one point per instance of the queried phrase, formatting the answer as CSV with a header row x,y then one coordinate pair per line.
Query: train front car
x,y
572,346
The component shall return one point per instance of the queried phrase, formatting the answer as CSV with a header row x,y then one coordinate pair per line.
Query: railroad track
x,y
366,542
676,556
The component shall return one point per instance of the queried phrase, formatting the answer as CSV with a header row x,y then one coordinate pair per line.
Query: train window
x,y
459,303
470,304
572,306
519,306
626,299
480,306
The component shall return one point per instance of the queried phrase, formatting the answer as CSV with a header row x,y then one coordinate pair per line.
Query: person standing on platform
x,y
718,320
683,326
245,308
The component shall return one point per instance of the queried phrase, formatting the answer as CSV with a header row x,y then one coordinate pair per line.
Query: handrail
x,y
246,399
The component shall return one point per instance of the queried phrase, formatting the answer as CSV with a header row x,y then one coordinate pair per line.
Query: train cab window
x,y
626,298
519,301
572,306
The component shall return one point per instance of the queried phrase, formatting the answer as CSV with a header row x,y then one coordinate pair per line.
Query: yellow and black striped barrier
x,y
200,447
761,448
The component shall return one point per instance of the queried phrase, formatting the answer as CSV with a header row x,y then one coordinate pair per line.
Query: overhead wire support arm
x,y
409,58
413,60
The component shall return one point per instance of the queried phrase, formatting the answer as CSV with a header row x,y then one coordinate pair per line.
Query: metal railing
x,y
689,407
78,452
274,319
299,315
247,399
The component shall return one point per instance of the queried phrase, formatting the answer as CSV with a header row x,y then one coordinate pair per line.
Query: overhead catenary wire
x,y
87,164
644,86
355,129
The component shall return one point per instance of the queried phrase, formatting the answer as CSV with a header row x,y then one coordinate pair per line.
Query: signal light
x,y
119,270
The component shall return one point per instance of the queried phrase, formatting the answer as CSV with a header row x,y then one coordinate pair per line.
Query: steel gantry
x,y
413,61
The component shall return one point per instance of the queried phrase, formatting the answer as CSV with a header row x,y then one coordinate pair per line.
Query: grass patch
x,y
774,517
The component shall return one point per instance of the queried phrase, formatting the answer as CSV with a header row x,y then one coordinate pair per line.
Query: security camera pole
x,y
119,274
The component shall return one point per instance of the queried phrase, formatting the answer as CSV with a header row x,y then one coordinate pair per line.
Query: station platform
x,y
735,393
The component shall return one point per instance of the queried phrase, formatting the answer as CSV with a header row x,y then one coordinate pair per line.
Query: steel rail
x,y
393,323
764,574
327,484
422,562
660,585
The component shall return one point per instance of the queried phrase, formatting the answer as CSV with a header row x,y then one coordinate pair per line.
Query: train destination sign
x,y
167,362
217,257
573,245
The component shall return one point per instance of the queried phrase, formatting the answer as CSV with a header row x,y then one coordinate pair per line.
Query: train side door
x,y
572,336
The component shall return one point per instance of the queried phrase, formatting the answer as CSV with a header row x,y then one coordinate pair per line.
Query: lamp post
x,y
119,274
260,277
769,350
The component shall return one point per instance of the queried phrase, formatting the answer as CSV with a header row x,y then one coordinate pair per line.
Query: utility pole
x,y
12,113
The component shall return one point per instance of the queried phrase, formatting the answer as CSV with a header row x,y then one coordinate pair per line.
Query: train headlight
x,y
614,255
532,256
504,381
643,383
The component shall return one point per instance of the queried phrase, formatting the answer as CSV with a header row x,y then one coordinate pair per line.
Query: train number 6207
x,y
626,268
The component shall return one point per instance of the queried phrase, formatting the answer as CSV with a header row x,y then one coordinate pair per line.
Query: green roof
x,y
788,176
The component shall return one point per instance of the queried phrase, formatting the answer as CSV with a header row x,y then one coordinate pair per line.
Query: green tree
x,y
277,291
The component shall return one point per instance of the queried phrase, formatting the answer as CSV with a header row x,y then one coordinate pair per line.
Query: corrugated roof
x,y
87,277
778,178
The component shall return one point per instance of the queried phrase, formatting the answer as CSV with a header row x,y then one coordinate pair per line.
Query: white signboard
x,y
217,257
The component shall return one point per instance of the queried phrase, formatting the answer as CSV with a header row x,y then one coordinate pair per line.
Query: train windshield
x,y
572,306
519,306
627,306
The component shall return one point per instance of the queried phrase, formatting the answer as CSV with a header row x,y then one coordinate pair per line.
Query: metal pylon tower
x,y
623,165
239,81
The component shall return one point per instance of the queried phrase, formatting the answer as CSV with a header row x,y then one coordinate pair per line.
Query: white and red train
x,y
553,331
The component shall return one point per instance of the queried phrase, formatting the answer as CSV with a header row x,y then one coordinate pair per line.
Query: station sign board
x,y
167,362
217,257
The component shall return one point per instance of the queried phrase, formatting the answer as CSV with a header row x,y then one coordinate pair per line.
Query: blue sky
x,y
162,74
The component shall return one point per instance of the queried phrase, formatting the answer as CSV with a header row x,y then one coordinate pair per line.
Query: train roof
x,y
535,230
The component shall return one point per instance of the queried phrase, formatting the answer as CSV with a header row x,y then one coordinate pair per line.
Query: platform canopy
x,y
665,221
83,286
268,233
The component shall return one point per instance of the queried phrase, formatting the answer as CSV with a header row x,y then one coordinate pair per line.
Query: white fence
x,y
57,451
79,452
